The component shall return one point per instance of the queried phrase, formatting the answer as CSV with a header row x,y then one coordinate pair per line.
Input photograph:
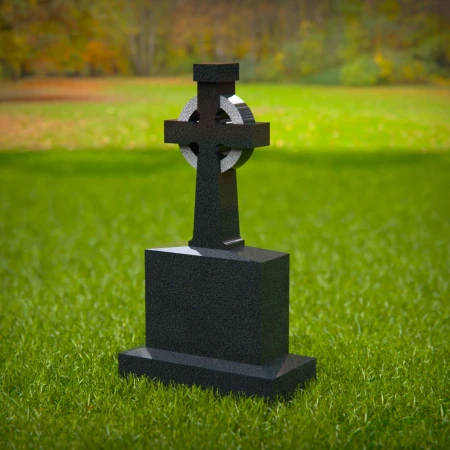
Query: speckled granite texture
x,y
216,72
280,377
217,312
219,318
216,143
231,305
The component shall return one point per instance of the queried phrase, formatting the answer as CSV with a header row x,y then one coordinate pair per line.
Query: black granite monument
x,y
217,311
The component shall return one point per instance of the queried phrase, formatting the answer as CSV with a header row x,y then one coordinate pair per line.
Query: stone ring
x,y
232,110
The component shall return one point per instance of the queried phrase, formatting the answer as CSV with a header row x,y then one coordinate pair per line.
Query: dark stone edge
x,y
216,72
281,377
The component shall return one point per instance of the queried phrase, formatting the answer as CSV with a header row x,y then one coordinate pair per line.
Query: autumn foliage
x,y
353,42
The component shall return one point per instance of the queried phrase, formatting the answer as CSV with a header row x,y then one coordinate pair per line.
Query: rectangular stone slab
x,y
280,377
216,72
224,304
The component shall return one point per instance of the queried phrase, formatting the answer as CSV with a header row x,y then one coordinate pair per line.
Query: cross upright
x,y
217,133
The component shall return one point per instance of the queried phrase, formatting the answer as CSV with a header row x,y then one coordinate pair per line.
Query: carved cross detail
x,y
217,133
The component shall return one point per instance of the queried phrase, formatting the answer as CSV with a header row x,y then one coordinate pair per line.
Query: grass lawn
x,y
129,115
368,232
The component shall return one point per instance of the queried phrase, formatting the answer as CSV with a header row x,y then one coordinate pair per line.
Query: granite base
x,y
280,377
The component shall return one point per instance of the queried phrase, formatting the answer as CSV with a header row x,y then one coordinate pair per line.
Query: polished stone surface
x,y
217,133
217,311
280,377
216,72
231,305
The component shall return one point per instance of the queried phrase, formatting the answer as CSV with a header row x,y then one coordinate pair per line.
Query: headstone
x,y
217,311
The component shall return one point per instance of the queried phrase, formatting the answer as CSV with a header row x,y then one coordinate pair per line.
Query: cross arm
x,y
238,136
183,133
241,136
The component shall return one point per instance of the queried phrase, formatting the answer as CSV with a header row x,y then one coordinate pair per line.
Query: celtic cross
x,y
216,132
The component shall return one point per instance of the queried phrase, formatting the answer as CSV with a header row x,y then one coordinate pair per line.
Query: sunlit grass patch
x,y
368,236
128,114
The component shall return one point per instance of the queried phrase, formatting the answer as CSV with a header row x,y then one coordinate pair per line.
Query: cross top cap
x,y
216,72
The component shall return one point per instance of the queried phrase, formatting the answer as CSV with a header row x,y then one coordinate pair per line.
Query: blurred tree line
x,y
354,42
